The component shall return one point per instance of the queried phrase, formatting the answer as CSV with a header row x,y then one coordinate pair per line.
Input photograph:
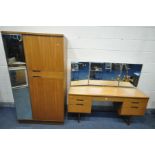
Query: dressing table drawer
x,y
79,104
139,103
78,98
133,110
133,106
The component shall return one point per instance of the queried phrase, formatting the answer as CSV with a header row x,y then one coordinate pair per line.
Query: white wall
x,y
112,44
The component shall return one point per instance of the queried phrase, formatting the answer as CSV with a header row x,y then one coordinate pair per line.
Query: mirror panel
x,y
14,51
130,74
79,73
105,74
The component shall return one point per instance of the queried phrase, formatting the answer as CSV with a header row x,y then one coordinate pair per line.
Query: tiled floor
x,y
96,120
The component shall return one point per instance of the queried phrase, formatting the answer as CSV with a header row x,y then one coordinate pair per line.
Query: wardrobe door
x,y
47,100
44,53
45,63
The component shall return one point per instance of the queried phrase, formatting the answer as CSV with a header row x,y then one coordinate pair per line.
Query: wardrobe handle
x,y
135,107
79,100
37,76
36,70
79,104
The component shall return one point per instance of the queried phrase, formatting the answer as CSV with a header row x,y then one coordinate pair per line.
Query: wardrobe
x,y
45,57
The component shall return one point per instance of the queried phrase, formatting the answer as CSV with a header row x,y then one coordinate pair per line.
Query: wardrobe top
x,y
31,33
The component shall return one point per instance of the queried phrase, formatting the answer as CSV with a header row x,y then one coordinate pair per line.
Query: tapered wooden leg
x,y
78,117
127,119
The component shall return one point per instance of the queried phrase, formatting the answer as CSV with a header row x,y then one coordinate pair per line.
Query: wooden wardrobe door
x,y
45,63
47,99
44,53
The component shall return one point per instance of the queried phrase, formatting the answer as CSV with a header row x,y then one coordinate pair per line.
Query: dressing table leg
x,y
78,117
127,119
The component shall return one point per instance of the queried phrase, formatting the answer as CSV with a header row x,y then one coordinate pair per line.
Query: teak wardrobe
x,y
46,66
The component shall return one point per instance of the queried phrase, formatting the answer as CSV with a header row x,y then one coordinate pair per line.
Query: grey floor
x,y
96,120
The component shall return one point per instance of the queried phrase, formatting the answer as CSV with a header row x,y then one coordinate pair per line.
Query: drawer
x,y
135,111
79,108
133,106
111,99
145,100
139,103
79,104
73,99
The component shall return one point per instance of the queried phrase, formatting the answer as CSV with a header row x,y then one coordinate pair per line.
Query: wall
x,y
112,44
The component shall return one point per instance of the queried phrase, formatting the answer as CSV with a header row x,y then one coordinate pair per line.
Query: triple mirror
x,y
106,74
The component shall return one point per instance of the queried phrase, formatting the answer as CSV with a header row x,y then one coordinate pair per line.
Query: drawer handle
x,y
135,102
79,104
79,100
135,107
36,70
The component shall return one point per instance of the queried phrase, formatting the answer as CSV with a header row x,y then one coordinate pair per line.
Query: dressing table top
x,y
107,91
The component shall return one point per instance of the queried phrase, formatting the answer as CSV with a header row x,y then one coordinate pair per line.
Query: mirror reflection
x,y
104,74
130,73
15,57
13,45
107,74
79,73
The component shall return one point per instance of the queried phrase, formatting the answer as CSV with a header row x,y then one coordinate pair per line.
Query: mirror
x,y
15,57
79,73
130,74
106,74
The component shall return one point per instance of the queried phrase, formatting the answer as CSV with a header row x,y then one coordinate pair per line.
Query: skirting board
x,y
7,104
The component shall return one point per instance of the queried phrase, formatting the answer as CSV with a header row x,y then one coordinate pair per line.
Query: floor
x,y
96,120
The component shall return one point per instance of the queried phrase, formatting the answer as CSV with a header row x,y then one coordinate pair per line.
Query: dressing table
x,y
118,85
132,101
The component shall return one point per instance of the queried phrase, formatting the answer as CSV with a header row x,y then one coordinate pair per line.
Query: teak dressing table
x,y
133,101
